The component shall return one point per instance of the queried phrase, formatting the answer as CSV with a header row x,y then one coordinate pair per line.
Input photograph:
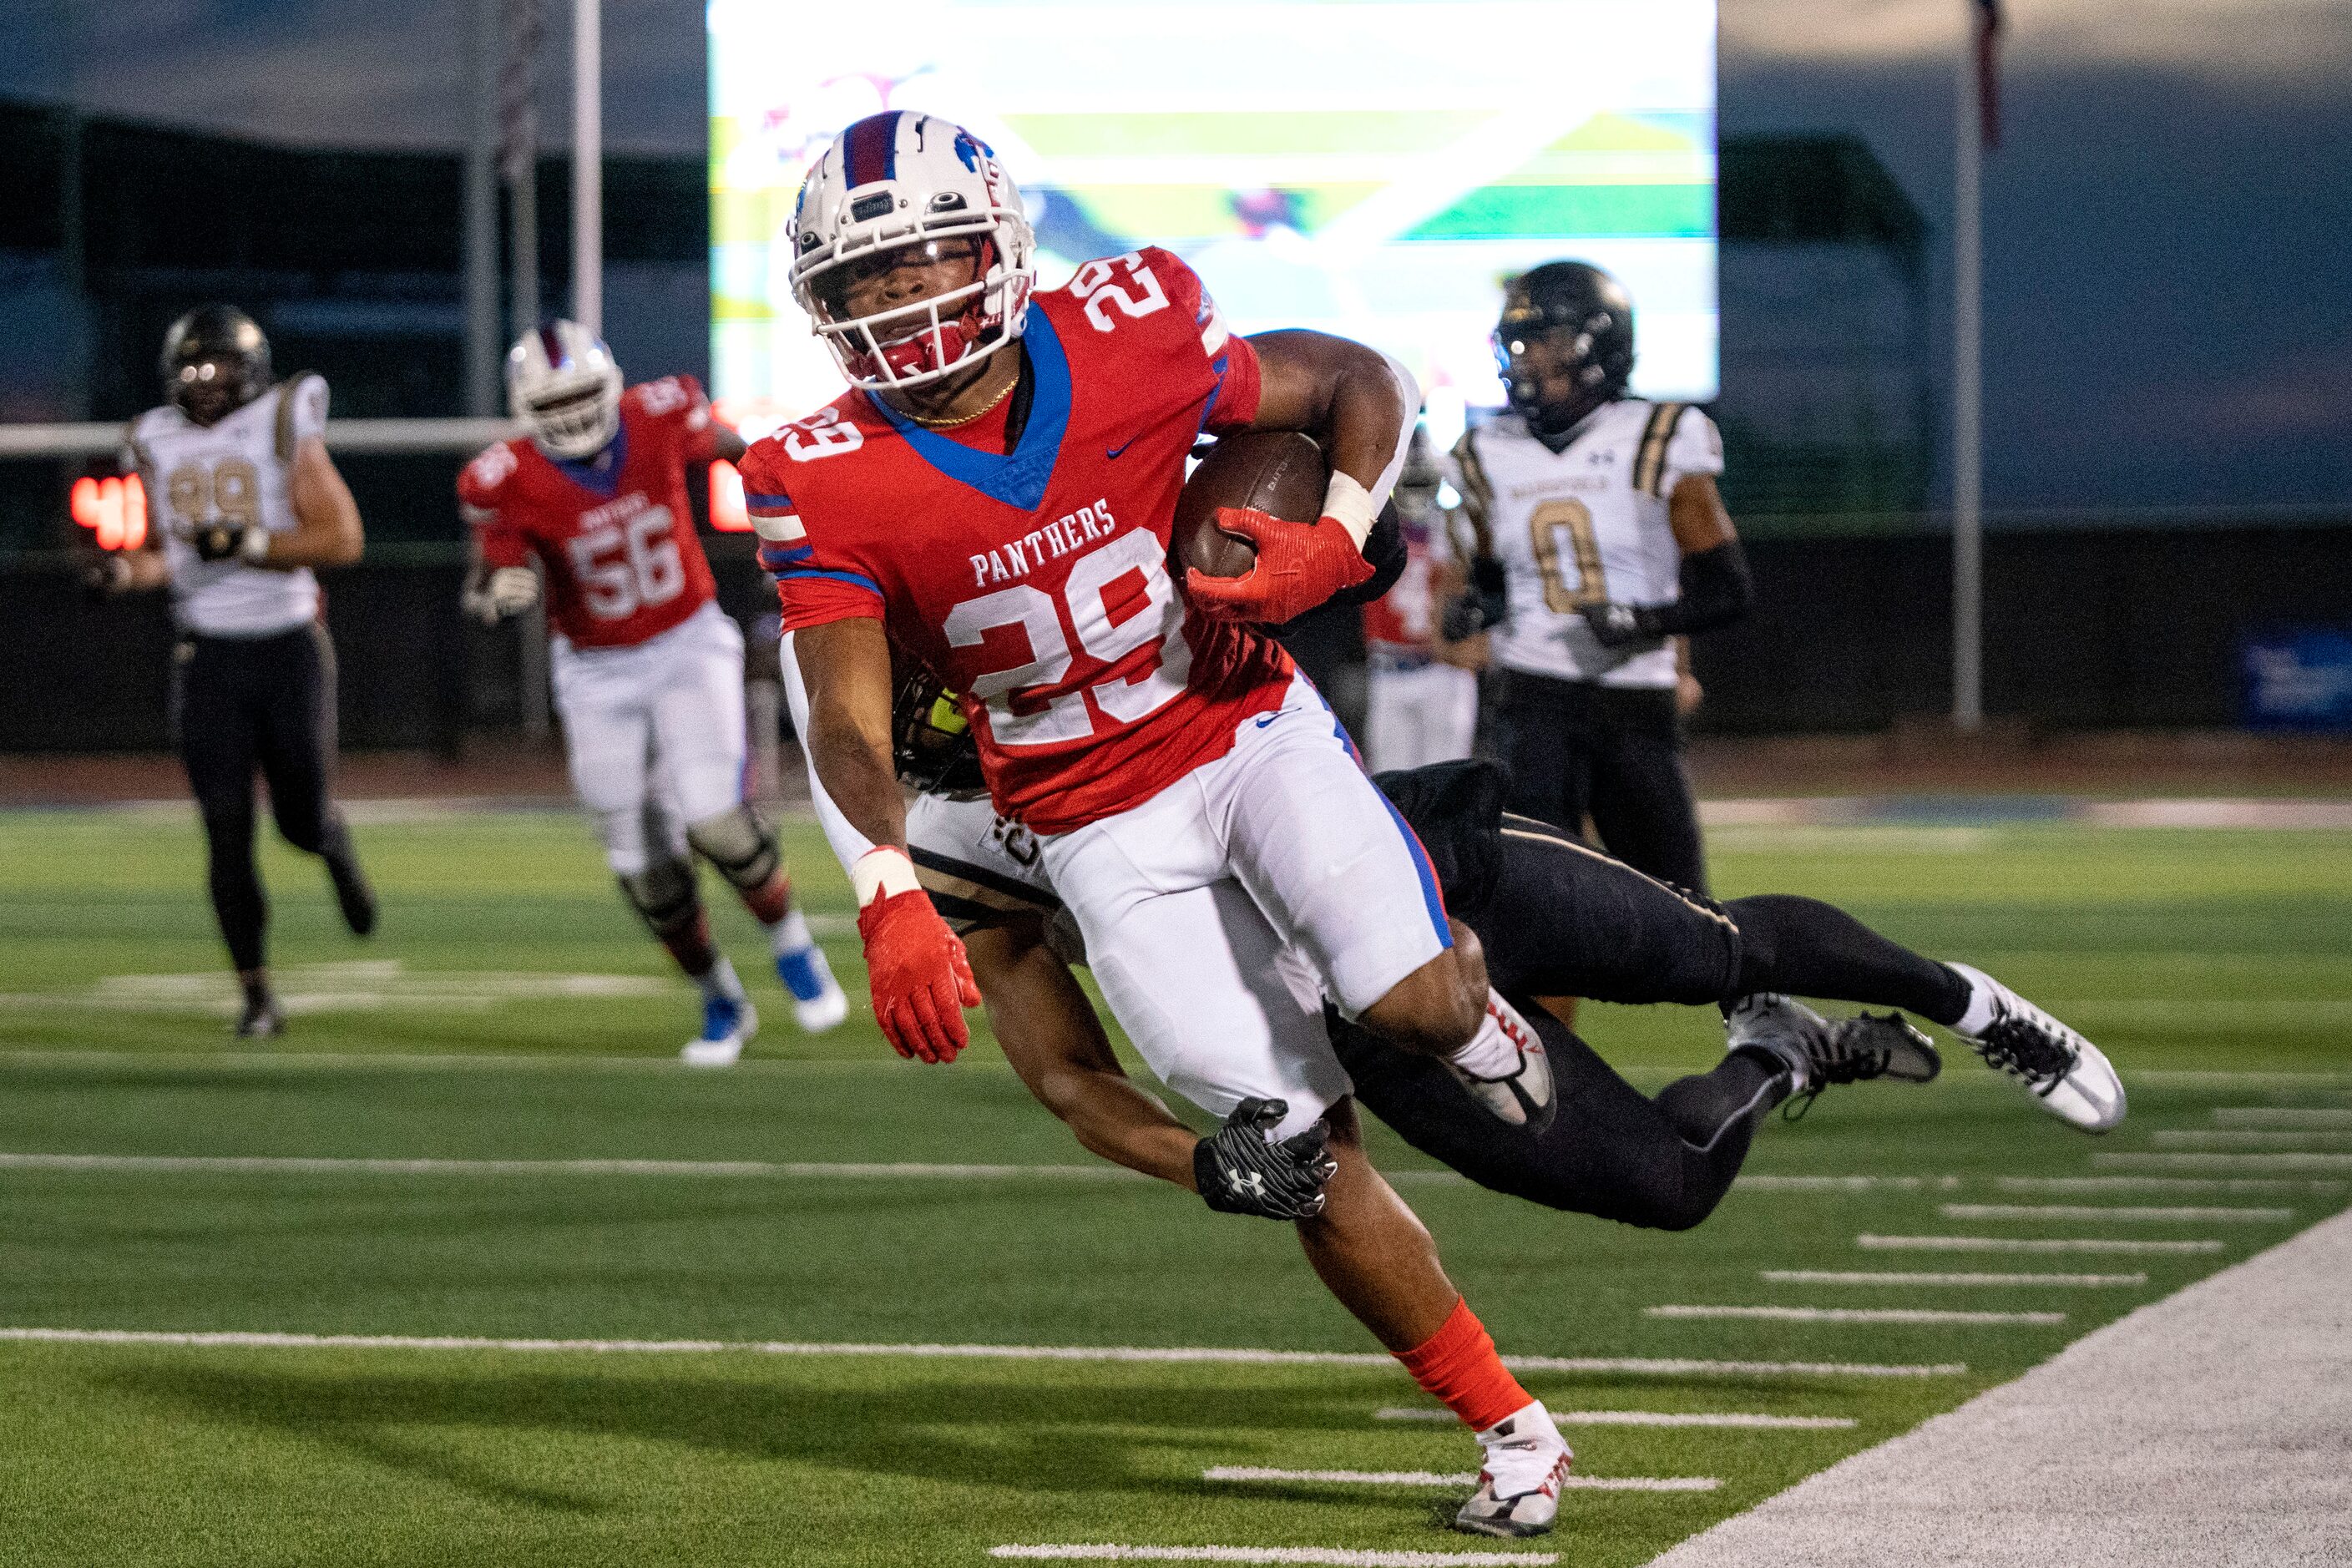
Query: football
x,y
1279,472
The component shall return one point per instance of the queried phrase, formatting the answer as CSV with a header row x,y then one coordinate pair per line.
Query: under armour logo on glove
x,y
1614,626
1240,1169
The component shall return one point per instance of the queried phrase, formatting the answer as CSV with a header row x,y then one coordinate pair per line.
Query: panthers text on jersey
x,y
1585,525
1036,582
613,534
234,471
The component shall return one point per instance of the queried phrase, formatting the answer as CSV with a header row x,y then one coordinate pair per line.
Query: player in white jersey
x,y
1420,689
247,502
1597,512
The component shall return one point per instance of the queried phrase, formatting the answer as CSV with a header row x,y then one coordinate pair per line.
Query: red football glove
x,y
920,979
1299,566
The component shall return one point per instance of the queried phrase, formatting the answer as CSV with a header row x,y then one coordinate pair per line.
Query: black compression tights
x,y
1807,948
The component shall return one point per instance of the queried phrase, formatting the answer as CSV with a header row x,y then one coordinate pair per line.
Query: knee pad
x,y
741,846
664,897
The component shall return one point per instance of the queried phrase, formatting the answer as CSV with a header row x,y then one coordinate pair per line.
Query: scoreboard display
x,y
1370,169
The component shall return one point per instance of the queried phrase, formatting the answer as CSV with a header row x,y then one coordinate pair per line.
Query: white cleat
x,y
728,1025
818,1003
2071,1077
1518,1487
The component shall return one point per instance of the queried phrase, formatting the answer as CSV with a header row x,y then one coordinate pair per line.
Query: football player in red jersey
x,y
995,493
648,670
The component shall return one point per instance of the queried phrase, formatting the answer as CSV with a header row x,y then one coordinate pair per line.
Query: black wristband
x,y
1715,592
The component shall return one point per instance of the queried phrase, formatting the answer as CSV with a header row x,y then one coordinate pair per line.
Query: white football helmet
x,y
896,179
563,384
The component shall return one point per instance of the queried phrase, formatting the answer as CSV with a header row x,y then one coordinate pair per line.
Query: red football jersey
x,y
1405,616
614,535
1036,582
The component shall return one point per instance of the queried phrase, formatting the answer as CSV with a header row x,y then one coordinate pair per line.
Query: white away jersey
x,y
234,471
1581,526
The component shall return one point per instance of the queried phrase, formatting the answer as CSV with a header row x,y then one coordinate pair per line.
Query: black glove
x,y
1239,1172
1616,626
217,541
1488,604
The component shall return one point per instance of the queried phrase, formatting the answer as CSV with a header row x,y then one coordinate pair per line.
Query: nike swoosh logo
x,y
1123,446
1270,718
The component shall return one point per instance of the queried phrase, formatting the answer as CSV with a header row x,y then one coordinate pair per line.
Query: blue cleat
x,y
727,1024
818,1001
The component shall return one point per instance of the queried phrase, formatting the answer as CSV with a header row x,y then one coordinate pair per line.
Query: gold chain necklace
x,y
984,410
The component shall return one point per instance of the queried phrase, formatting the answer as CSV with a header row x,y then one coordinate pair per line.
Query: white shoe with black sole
x,y
2071,1077
1518,1487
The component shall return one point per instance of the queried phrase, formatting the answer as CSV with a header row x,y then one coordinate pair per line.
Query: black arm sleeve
x,y
1715,592
1384,549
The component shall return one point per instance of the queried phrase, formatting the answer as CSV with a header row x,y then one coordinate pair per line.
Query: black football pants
x,y
265,703
1575,750
1565,921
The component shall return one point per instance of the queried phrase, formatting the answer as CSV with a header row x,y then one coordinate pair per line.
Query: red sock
x,y
771,902
691,946
1458,1366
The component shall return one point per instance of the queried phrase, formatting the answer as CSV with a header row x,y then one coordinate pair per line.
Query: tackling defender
x,y
648,671
1600,540
247,502
998,490
1557,920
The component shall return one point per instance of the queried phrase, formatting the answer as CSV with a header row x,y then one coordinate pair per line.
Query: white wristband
x,y
255,545
1350,505
882,872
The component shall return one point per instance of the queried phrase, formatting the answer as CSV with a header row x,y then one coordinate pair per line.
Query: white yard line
x,y
2275,1116
2244,1164
1733,1418
2208,1427
1857,1315
2244,1185
2298,1140
2119,1215
267,1340
1467,1478
1774,1183
1868,1277
1313,1556
2071,1244
273,1164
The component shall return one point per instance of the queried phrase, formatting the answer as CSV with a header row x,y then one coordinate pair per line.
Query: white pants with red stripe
x,y
1219,913
655,734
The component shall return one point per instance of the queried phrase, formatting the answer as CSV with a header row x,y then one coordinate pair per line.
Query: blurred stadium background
x,y
2149,828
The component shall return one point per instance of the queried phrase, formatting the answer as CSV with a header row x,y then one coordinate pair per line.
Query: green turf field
x,y
233,1193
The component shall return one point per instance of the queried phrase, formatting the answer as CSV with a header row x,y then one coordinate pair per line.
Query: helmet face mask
x,y
215,361
564,387
933,748
1564,345
920,182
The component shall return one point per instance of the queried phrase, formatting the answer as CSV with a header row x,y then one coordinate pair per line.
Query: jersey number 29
x,y
624,566
1119,598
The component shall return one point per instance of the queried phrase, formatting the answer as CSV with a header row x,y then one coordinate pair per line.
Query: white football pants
x,y
1219,913
1415,717
655,734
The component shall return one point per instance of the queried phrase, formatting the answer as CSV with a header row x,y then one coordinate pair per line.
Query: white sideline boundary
x,y
235,1339
2035,1244
2123,1215
1856,1315
1895,1276
1570,1482
278,1165
1727,1418
1315,1556
2208,1427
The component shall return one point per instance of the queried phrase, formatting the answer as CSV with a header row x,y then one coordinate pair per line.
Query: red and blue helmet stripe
x,y
869,149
